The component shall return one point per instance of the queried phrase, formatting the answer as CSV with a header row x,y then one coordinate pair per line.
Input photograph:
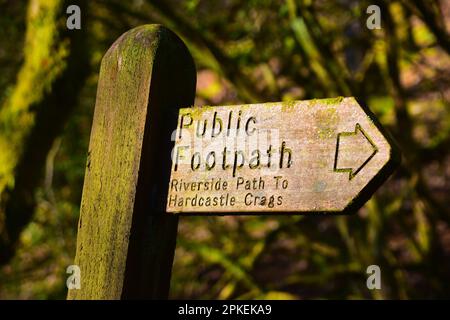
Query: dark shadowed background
x,y
245,52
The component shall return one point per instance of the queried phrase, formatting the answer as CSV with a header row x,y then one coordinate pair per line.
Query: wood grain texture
x,y
125,241
315,156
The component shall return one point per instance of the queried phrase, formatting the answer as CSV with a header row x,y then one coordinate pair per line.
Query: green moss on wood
x,y
115,158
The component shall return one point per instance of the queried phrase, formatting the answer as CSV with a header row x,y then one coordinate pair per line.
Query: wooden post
x,y
126,242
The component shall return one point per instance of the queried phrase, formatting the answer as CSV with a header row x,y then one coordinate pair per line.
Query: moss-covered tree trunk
x,y
48,85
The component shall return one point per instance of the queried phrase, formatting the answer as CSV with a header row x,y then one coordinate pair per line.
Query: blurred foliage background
x,y
245,51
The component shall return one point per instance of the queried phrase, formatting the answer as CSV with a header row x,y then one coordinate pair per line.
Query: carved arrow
x,y
353,151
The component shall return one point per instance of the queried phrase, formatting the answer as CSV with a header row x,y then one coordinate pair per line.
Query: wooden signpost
x,y
288,157
292,157
126,241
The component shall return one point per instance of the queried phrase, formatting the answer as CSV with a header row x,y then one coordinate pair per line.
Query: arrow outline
x,y
352,174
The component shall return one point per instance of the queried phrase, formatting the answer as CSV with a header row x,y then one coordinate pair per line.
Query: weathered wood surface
x,y
300,157
125,241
